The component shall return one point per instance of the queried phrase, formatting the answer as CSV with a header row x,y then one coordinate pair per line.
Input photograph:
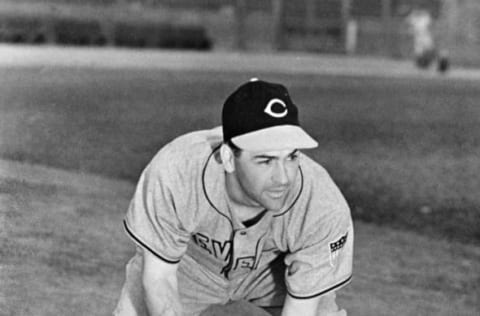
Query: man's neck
x,y
243,208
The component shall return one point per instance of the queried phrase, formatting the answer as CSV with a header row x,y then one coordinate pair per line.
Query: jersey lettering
x,y
220,250
223,250
245,263
202,241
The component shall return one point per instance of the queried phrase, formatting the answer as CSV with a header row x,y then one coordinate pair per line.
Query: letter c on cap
x,y
269,110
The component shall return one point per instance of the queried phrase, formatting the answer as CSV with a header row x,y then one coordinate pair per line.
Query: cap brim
x,y
275,138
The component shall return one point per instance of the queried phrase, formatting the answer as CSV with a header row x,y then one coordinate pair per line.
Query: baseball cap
x,y
260,115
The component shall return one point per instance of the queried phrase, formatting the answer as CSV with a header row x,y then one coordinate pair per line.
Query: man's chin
x,y
274,205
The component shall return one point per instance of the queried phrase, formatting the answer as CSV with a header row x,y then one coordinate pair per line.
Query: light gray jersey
x,y
181,210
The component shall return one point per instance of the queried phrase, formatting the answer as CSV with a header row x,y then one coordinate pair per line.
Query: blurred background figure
x,y
424,47
394,29
420,22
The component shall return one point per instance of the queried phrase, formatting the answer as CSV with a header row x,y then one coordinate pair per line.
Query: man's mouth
x,y
277,193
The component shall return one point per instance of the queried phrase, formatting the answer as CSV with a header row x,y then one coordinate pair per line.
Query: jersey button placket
x,y
239,245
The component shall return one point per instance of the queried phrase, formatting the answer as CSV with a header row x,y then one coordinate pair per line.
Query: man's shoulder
x,y
212,137
319,188
193,146
320,206
196,141
312,169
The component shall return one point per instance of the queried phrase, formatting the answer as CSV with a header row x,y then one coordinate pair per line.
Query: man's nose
x,y
280,175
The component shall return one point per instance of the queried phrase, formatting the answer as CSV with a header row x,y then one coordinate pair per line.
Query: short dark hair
x,y
235,149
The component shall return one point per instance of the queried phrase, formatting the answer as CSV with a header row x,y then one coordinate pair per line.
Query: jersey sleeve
x,y
320,258
153,219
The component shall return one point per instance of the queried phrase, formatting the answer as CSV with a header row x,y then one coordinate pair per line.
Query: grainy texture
x,y
63,252
403,146
404,150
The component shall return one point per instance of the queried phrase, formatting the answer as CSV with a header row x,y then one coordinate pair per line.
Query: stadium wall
x,y
458,30
362,27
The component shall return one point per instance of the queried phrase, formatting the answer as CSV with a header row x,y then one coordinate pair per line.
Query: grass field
x,y
63,252
403,150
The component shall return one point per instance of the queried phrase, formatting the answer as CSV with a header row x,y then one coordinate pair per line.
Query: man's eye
x,y
265,162
293,157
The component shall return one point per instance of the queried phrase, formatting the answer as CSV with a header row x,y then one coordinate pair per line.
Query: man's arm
x,y
161,286
323,305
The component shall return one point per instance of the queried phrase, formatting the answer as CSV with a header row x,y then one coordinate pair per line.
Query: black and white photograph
x,y
240,157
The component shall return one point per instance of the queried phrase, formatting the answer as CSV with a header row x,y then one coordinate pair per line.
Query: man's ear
x,y
227,156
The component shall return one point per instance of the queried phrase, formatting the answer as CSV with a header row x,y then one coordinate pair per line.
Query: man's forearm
x,y
161,297
293,307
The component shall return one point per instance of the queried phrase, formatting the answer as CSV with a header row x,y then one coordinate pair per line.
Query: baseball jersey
x,y
181,212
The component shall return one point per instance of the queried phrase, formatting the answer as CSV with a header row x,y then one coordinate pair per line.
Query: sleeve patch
x,y
335,247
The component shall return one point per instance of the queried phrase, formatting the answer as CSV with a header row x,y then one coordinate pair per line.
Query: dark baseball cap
x,y
260,115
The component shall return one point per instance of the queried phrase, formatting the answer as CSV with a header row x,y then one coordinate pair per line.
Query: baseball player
x,y
238,214
420,23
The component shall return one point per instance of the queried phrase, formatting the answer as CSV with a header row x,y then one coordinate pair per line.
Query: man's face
x,y
266,177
